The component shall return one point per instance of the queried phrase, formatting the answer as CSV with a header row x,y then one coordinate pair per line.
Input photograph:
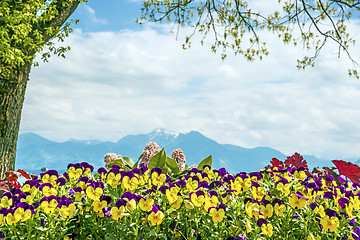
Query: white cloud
x,y
114,84
93,16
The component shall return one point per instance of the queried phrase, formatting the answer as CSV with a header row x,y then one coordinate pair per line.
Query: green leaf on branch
x,y
118,162
158,160
171,163
206,161
137,162
129,161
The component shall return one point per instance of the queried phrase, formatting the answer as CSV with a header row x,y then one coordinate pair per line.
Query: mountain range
x,y
35,152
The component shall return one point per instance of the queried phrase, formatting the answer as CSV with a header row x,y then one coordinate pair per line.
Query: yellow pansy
x,y
198,201
329,223
22,215
177,203
6,202
113,180
279,209
172,194
217,215
117,212
130,183
267,210
267,229
146,204
299,175
297,202
67,211
99,205
156,218
158,179
94,194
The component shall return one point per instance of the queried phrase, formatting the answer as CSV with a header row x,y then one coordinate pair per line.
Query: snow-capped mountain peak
x,y
163,132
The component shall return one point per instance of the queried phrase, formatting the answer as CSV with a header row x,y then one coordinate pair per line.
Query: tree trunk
x,y
12,94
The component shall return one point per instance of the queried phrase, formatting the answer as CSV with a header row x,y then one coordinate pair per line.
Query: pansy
x,y
130,200
23,211
98,205
113,178
279,207
49,204
87,168
177,203
6,200
257,192
49,176
102,172
266,227
211,200
48,189
156,216
217,214
118,211
28,199
2,218
299,174
157,176
215,184
10,217
267,210
146,204
66,206
82,182
95,190
130,182
75,170
343,202
60,181
330,221
255,176
242,183
228,179
253,209
31,187
192,183
356,233
197,198
172,194
283,187
297,200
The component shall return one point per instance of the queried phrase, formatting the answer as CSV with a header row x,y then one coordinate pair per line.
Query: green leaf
x,y
129,161
137,162
114,193
171,163
158,160
206,161
118,162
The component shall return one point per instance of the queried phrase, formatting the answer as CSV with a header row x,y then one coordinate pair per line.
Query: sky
x,y
121,78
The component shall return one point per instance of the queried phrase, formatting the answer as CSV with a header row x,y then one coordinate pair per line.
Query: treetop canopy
x,y
27,26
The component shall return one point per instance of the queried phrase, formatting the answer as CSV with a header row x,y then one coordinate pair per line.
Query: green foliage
x,y
206,161
171,163
129,161
118,162
28,26
237,27
158,161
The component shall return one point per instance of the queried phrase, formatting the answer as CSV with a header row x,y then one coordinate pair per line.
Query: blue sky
x,y
120,78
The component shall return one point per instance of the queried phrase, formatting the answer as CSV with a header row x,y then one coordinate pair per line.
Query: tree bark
x,y
12,95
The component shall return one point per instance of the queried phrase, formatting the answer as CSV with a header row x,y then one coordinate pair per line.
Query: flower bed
x,y
157,201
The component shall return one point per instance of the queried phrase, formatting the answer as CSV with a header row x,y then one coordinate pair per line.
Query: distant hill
x,y
35,152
